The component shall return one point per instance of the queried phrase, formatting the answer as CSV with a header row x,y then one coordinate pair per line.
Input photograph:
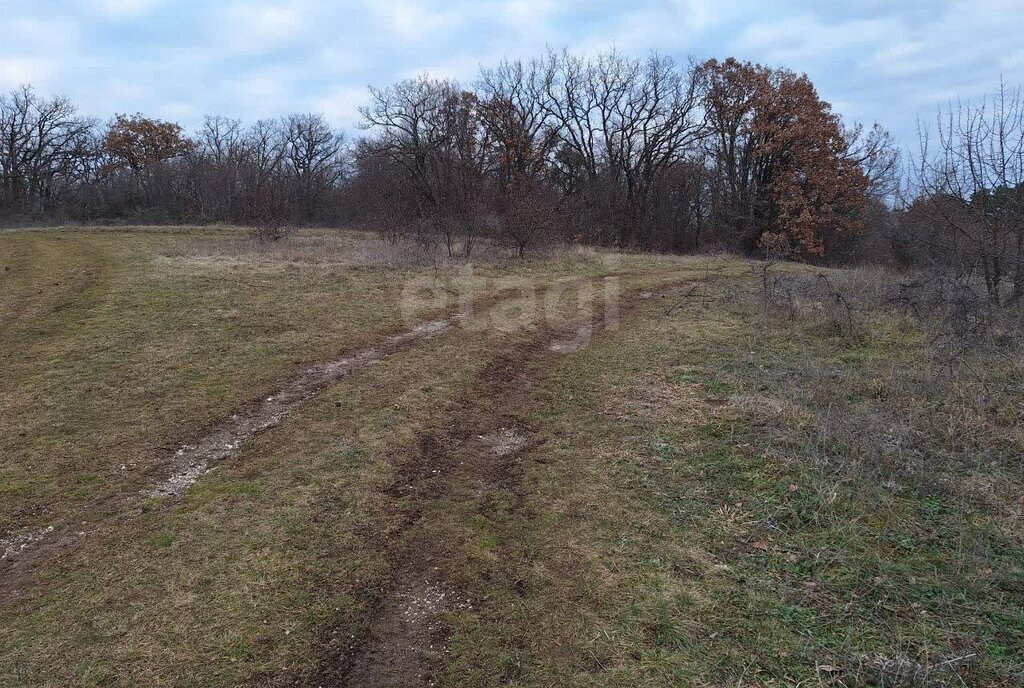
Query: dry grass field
x,y
617,470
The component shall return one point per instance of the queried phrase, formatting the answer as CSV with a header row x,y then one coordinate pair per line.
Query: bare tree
x,y
260,176
407,118
625,119
874,151
215,166
42,141
573,101
315,159
516,113
973,174
429,131
220,139
521,135
650,124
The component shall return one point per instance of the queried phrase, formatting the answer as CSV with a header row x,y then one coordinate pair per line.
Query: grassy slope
x,y
121,370
116,345
684,519
703,515
118,351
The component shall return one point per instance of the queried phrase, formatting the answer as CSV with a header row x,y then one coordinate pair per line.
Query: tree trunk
x,y
1018,271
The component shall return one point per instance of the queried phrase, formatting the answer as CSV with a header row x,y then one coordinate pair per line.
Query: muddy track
x,y
475,459
192,461
22,552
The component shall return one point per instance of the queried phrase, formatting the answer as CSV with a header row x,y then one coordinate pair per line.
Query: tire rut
x,y
23,551
192,461
477,458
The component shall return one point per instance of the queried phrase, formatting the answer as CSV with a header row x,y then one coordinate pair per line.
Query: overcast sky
x,y
883,60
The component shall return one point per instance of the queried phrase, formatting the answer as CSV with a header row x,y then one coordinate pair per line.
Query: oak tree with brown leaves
x,y
136,141
784,179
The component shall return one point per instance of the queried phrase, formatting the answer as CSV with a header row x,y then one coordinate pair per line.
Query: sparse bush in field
x,y
953,395
790,295
266,232
953,307
528,222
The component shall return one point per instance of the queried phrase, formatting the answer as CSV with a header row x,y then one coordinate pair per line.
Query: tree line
x,y
56,164
635,152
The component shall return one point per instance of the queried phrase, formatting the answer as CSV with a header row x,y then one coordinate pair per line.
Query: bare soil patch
x,y
13,545
408,643
505,441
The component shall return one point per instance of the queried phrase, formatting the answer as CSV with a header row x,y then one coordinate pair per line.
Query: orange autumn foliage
x,y
786,180
137,141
